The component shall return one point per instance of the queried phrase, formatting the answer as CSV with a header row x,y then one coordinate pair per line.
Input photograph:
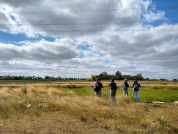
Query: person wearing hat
x,y
97,88
113,90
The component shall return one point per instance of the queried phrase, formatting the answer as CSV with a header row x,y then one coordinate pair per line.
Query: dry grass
x,y
67,112
90,84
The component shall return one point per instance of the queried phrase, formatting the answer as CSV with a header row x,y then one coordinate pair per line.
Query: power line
x,y
23,1
128,9
81,31
91,10
119,23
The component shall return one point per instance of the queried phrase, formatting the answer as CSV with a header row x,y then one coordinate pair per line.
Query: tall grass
x,y
124,116
86,84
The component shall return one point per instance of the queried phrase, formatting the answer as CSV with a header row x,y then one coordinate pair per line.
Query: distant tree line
x,y
8,77
118,76
104,76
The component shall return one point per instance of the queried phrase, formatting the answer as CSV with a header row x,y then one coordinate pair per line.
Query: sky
x,y
79,38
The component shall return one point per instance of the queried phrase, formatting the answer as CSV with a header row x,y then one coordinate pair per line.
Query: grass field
x,y
71,107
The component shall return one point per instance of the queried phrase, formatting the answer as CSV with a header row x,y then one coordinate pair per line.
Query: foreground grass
x,y
54,110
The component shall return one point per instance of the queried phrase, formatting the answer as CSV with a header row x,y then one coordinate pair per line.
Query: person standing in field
x,y
113,90
97,88
125,87
136,90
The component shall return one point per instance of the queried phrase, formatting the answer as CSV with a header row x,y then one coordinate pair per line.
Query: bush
x,y
174,80
24,90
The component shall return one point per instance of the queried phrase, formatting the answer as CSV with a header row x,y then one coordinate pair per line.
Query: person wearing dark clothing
x,y
125,91
113,90
136,90
97,88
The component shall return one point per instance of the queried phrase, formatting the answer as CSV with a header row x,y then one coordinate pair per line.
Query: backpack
x,y
114,86
123,87
135,87
96,87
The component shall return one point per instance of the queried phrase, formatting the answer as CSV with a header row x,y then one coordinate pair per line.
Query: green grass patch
x,y
150,95
147,95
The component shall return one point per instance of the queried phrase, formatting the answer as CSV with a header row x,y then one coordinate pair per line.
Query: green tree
x,y
162,79
147,79
118,75
47,77
93,77
139,77
103,75
174,80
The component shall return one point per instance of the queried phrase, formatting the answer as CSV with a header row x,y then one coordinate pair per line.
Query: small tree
x,y
104,73
174,80
147,79
47,77
93,77
118,75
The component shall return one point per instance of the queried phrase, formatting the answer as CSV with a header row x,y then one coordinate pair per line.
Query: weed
x,y
162,122
24,91
42,106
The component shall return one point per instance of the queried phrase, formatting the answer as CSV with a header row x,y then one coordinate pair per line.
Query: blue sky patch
x,y
13,18
81,55
101,54
170,7
84,47
109,61
9,38
138,67
38,65
176,38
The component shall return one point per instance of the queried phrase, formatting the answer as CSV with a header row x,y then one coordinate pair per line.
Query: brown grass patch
x,y
66,112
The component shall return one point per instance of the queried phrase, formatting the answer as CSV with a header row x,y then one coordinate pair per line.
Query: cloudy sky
x,y
78,38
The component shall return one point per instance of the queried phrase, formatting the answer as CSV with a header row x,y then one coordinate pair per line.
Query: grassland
x,y
70,107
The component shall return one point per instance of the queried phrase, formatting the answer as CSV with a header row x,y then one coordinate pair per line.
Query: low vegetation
x,y
69,108
171,85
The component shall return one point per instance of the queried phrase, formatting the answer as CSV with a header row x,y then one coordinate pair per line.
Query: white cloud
x,y
45,51
99,23
86,18
151,17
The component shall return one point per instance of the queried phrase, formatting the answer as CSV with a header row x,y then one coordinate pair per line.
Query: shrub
x,y
174,80
24,91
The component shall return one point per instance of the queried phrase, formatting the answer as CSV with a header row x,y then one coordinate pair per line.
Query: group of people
x,y
136,89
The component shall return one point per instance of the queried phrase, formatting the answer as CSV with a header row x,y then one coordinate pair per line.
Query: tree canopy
x,y
118,76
